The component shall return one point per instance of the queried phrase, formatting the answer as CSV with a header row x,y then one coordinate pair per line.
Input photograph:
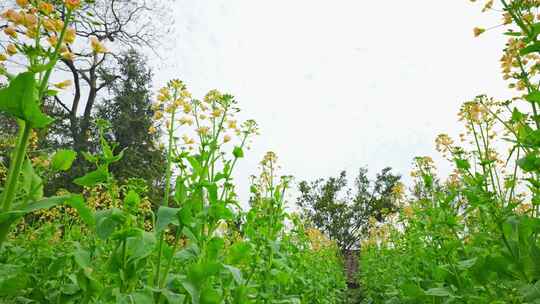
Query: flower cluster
x,y
38,25
205,122
423,165
318,240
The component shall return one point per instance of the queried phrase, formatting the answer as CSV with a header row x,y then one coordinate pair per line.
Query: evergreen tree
x,y
128,110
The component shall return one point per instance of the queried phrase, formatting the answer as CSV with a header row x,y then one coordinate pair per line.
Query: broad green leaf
x,y
46,203
141,246
165,217
173,298
236,274
220,211
132,200
193,291
239,252
214,248
189,253
466,264
531,292
180,192
62,160
529,163
32,183
108,221
186,215
77,202
195,166
100,175
210,296
20,99
199,273
212,193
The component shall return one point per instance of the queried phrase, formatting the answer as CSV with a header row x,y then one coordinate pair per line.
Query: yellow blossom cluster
x,y
210,121
38,23
524,208
444,144
520,19
423,164
398,191
453,180
317,239
408,211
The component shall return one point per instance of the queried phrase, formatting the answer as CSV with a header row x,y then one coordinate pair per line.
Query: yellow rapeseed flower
x,y
22,3
72,4
97,46
11,49
46,8
478,31
70,35
11,32
203,130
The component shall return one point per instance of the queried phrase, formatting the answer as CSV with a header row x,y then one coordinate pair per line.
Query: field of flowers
x,y
474,237
109,243
470,238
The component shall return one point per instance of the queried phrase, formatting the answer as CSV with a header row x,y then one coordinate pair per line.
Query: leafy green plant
x,y
21,99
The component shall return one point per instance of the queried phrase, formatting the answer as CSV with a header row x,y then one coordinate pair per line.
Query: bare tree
x,y
118,24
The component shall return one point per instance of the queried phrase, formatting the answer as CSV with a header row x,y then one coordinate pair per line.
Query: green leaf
x,y
132,200
210,296
529,163
531,292
173,298
195,165
165,217
212,193
239,252
180,192
220,211
186,215
466,264
463,164
141,246
236,274
62,160
412,290
107,221
214,248
20,99
77,202
32,183
189,253
192,290
535,47
100,175
45,203
238,152
438,292
13,279
199,273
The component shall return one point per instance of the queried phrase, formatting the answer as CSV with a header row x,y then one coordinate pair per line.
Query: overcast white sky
x,y
337,84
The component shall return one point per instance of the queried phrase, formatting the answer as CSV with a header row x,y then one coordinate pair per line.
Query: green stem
x,y
165,196
13,176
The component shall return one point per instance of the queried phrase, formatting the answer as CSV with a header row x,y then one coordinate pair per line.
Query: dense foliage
x,y
343,213
474,238
111,243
